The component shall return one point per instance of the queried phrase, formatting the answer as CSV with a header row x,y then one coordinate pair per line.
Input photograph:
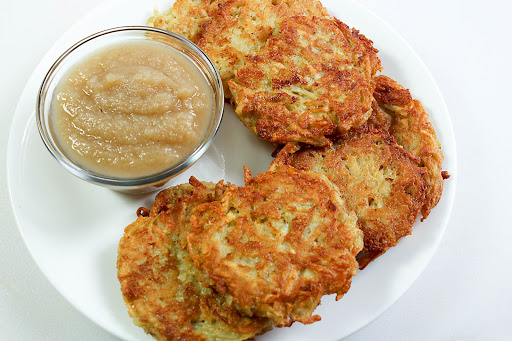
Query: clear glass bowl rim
x,y
144,180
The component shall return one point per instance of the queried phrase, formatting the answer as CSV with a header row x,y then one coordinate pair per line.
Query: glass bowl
x,y
104,39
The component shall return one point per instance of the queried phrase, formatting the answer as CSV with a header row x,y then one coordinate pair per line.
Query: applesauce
x,y
131,110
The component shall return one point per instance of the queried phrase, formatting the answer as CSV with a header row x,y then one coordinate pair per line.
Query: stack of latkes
x,y
357,161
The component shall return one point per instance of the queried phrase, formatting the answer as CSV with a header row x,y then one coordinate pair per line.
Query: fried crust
x,y
158,278
186,17
241,27
277,244
380,181
408,122
312,79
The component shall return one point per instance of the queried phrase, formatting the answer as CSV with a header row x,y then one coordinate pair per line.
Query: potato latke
x,y
278,244
186,17
380,181
158,277
312,79
408,122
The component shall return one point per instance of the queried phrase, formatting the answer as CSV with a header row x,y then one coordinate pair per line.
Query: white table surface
x,y
465,293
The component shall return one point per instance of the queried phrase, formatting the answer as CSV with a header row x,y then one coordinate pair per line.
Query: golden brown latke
x,y
379,180
278,244
408,122
241,28
158,277
313,78
186,17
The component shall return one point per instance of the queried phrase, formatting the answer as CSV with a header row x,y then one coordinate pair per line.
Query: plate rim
x,y
20,120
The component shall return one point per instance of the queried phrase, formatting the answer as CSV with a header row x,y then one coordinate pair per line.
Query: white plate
x,y
72,228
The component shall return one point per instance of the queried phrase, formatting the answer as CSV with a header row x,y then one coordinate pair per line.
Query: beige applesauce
x,y
131,110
